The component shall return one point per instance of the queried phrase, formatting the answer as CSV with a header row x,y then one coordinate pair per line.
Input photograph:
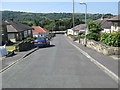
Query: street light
x,y
85,40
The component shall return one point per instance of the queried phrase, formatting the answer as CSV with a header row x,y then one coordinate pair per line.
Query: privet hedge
x,y
111,39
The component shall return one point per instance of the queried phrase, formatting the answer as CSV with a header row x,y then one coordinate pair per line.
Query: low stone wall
x,y
102,48
24,46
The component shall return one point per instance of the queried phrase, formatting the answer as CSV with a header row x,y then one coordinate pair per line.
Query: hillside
x,y
22,16
50,21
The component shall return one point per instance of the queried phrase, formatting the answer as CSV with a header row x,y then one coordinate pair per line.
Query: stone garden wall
x,y
102,48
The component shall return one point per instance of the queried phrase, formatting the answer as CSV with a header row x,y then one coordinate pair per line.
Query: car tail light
x,y
45,42
35,42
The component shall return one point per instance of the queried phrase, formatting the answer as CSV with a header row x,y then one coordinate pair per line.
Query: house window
x,y
115,27
25,34
29,32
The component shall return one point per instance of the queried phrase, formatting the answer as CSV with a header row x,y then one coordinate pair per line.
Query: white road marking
x,y
102,67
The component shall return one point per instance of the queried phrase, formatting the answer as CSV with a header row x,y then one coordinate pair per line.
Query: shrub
x,y
29,39
111,39
94,30
72,36
93,36
81,36
93,27
80,33
49,36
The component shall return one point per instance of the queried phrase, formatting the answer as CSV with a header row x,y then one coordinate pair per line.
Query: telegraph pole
x,y
73,13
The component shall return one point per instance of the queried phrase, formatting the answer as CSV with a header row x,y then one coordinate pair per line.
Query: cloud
x,y
59,0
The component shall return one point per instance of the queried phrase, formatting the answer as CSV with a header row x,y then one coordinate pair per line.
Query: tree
x,y
94,30
93,27
61,28
36,22
49,27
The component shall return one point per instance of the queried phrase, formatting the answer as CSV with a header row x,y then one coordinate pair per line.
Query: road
x,y
58,66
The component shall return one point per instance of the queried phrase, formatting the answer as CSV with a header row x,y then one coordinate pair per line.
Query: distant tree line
x,y
50,21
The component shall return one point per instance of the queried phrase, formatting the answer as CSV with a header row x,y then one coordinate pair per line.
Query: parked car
x,y
41,41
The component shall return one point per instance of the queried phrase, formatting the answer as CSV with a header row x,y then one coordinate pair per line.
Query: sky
x,y
60,7
59,0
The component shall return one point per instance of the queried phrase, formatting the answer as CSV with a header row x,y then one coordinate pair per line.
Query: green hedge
x,y
111,39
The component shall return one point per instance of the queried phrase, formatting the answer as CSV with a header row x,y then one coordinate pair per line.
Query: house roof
x,y
3,23
16,26
116,18
104,23
38,29
79,27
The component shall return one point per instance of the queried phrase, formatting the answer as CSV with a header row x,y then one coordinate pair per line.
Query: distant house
x,y
115,27
3,32
70,32
17,31
75,30
105,25
39,31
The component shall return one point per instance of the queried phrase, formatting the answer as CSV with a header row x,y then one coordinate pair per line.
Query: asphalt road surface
x,y
58,66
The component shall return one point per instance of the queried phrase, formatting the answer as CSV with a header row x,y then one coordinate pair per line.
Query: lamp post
x,y
85,40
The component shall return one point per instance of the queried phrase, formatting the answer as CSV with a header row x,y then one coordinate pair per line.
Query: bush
x,y
49,36
72,36
93,36
93,27
80,33
81,36
111,39
29,39
94,30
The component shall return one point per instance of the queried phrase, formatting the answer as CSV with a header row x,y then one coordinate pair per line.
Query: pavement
x,y
115,57
61,66
108,61
8,61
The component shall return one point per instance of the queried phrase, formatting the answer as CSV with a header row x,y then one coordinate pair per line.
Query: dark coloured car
x,y
41,41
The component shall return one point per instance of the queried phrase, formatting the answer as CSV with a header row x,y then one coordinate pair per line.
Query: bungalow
x,y
105,25
115,27
17,31
75,30
3,33
39,31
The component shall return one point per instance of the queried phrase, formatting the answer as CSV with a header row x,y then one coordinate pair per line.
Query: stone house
x,y
17,31
39,31
115,27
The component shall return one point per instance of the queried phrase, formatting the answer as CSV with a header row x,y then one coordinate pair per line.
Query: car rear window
x,y
41,39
